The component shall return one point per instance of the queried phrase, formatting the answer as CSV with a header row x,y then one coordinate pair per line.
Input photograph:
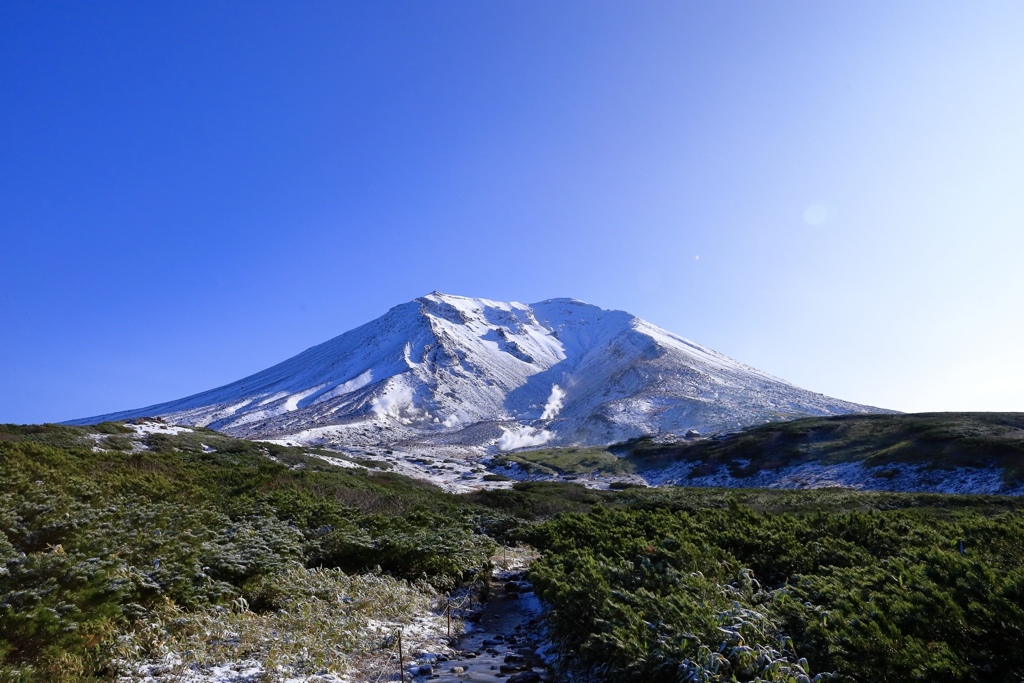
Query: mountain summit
x,y
445,369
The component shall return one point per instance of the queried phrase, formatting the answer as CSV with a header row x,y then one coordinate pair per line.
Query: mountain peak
x,y
565,300
491,374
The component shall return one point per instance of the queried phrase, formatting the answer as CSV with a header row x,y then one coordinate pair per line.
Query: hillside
x,y
446,370
124,547
149,552
942,452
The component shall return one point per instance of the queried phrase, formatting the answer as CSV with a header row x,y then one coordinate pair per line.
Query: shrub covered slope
x,y
935,440
96,534
683,593
113,540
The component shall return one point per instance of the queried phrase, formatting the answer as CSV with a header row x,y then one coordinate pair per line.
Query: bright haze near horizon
x,y
830,192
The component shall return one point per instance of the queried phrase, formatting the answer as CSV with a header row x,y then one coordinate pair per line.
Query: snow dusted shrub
x,y
55,610
296,622
93,540
250,547
730,594
422,545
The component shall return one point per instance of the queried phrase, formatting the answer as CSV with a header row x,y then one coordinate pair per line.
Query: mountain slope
x,y
939,452
445,369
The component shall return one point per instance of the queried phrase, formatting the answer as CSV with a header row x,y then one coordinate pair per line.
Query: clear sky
x,y
190,192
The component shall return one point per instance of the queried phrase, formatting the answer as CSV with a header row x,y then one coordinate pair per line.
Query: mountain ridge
x,y
446,369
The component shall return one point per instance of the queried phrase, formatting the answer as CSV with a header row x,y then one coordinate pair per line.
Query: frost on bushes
x,y
82,559
250,547
192,556
297,622
7,552
713,636
84,570
895,595
436,548
753,648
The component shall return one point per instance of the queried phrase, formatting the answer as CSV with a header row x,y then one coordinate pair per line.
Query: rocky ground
x,y
503,639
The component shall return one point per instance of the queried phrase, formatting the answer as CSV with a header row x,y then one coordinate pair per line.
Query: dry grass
x,y
318,623
514,558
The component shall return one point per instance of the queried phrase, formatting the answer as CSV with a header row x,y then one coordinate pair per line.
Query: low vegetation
x,y
939,440
122,550
565,461
722,594
96,542
301,621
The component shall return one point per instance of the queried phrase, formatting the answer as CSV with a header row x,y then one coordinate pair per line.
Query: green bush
x,y
716,593
419,546
93,541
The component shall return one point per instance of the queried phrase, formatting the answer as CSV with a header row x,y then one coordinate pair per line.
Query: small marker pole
x,y
449,612
401,658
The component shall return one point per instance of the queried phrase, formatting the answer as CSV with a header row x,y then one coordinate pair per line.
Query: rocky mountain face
x,y
451,370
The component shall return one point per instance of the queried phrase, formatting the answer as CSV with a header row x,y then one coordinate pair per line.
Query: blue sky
x,y
193,191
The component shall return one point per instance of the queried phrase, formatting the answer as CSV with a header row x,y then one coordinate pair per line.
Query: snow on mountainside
x,y
451,370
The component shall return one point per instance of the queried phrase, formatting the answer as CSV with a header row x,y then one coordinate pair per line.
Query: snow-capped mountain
x,y
445,369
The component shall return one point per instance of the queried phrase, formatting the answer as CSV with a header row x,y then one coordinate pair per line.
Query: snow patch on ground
x,y
148,427
896,477
459,468
243,671
292,402
355,384
452,468
369,654
337,462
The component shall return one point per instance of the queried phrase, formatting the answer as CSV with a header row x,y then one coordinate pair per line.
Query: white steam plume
x,y
554,404
523,437
396,401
